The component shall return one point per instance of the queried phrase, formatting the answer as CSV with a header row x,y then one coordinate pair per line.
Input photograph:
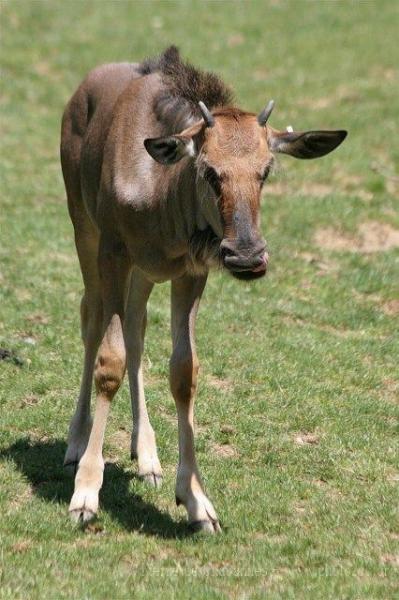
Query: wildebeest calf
x,y
164,176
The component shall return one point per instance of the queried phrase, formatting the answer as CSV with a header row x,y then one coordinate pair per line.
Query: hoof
x,y
152,479
84,506
201,514
205,527
82,516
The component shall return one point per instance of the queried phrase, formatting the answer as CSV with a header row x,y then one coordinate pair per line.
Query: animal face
x,y
233,152
234,159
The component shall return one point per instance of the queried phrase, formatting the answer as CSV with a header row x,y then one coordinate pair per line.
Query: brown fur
x,y
154,194
184,87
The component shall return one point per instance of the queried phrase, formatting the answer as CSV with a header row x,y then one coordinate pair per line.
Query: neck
x,y
193,215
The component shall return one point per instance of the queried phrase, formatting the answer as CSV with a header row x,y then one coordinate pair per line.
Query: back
x,y
85,126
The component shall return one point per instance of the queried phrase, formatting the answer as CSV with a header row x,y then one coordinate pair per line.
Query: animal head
x,y
233,152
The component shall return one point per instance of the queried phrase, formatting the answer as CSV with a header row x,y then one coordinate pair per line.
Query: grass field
x,y
297,430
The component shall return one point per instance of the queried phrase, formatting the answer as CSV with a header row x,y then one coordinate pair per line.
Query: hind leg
x,y
91,322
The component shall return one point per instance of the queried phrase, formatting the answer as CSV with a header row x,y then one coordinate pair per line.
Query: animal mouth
x,y
248,273
205,250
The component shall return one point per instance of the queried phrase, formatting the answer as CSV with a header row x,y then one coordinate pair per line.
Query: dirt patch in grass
x,y
388,307
393,477
227,429
22,546
224,450
94,528
121,439
300,508
223,385
342,333
22,294
38,319
379,72
349,181
391,308
29,400
307,439
390,390
371,237
391,559
378,236
237,39
27,337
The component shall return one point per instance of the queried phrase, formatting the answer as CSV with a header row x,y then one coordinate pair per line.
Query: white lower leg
x,y
189,489
89,478
143,444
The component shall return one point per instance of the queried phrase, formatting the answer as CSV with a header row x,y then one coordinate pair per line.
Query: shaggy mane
x,y
184,87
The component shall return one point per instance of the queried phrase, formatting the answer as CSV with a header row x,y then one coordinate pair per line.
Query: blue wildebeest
x,y
163,176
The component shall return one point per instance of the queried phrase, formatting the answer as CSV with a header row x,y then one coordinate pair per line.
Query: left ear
x,y
169,150
305,144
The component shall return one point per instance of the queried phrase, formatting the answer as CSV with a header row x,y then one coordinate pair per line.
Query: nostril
x,y
253,257
226,249
227,252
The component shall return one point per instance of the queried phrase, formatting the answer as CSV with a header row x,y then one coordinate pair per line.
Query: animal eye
x,y
264,175
213,179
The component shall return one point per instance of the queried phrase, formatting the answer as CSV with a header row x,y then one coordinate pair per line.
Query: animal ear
x,y
171,149
305,144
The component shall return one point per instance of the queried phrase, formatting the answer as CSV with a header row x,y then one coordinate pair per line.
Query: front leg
x,y
108,375
143,446
186,294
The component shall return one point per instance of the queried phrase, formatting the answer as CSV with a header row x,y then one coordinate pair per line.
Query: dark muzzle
x,y
244,262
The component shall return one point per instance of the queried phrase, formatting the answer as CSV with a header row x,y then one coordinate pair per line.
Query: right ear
x,y
169,150
305,144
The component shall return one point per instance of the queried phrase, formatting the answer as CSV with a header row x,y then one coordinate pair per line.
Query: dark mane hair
x,y
184,87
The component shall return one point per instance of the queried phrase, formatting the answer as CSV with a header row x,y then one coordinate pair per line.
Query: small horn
x,y
265,114
208,118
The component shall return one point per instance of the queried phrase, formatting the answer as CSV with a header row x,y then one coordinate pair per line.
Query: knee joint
x,y
108,374
183,377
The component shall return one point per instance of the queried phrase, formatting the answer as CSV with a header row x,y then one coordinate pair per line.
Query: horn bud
x,y
265,114
207,116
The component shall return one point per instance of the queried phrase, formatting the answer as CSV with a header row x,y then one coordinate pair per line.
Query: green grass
x,y
298,401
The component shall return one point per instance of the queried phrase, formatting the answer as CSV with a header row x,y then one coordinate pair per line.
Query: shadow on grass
x,y
41,463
